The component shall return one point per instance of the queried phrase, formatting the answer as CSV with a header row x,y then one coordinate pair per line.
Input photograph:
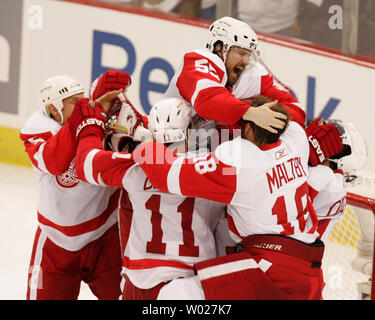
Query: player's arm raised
x,y
93,164
202,83
203,177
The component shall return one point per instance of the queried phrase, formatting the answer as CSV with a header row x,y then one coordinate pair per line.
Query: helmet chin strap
x,y
221,53
61,117
59,110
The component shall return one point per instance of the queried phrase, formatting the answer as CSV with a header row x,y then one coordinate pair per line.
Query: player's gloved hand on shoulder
x,y
88,117
324,141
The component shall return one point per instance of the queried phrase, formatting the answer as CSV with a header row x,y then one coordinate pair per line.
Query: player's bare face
x,y
237,60
68,105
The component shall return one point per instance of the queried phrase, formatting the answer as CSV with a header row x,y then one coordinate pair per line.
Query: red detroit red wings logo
x,y
69,178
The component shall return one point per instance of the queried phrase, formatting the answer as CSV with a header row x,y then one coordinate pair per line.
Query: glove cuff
x,y
316,154
90,126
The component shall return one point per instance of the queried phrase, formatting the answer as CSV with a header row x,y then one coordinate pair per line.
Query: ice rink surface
x,y
18,220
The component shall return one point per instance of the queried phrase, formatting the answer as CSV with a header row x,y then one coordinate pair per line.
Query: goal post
x,y
365,203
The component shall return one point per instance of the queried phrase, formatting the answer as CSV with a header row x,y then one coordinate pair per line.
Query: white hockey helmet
x,y
121,119
232,32
54,90
354,155
169,120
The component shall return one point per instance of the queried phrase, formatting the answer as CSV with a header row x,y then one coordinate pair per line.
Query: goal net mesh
x,y
341,280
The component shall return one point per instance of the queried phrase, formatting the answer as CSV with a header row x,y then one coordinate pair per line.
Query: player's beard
x,y
233,75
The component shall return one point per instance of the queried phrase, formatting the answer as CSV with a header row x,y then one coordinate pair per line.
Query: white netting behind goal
x,y
342,247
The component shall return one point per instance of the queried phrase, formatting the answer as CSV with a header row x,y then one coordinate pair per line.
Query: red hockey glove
x,y
87,119
324,141
110,80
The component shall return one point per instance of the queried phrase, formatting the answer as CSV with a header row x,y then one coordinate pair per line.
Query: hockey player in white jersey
x,y
329,196
215,81
77,236
205,79
169,233
93,166
269,212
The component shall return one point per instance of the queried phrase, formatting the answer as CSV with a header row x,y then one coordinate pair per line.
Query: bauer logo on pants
x,y
10,54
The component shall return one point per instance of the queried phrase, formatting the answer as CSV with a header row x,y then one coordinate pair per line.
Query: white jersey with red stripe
x,y
200,81
168,234
327,190
265,187
71,212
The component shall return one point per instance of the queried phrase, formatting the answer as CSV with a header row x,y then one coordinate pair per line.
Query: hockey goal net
x,y
348,262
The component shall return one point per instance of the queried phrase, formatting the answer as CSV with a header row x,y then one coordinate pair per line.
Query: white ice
x,y
18,220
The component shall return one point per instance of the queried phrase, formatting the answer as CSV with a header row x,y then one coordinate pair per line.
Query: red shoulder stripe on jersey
x,y
35,138
32,143
58,150
140,264
87,226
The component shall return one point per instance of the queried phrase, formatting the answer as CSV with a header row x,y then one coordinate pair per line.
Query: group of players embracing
x,y
224,191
